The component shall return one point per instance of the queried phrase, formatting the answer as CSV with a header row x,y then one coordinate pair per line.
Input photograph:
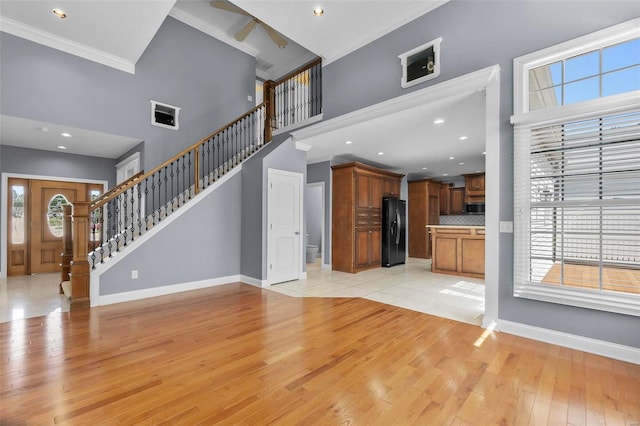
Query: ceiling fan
x,y
244,32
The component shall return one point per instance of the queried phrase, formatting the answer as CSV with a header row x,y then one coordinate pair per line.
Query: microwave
x,y
474,208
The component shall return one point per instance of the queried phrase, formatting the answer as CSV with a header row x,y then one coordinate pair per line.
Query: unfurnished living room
x,y
334,212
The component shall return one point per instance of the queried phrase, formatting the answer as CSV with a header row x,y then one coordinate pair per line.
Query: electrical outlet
x,y
134,274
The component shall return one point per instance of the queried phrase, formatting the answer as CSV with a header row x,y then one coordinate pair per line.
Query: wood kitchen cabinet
x,y
357,192
424,209
445,199
475,190
457,201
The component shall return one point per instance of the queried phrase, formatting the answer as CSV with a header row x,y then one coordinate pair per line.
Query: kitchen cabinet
x,y
424,209
475,189
357,192
457,200
445,199
458,250
391,187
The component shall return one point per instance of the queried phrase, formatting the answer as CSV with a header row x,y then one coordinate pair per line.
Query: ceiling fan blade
x,y
244,32
275,36
229,7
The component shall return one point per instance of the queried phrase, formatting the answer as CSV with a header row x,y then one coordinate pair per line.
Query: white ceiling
x,y
345,26
48,136
118,36
410,140
113,33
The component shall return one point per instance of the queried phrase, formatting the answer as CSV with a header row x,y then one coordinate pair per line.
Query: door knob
x,y
297,233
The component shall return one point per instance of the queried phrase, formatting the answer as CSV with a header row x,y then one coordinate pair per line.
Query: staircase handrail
x,y
113,193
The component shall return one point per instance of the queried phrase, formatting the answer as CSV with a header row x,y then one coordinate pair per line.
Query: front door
x,y
34,242
284,232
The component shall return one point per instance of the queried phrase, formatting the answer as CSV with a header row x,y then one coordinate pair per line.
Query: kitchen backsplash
x,y
468,219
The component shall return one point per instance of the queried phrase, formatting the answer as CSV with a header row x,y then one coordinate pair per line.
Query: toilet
x,y
312,253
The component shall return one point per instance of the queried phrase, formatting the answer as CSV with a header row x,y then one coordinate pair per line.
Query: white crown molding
x,y
369,34
210,30
586,344
53,41
467,83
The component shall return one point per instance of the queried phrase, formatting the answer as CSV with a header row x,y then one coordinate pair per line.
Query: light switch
x,y
506,227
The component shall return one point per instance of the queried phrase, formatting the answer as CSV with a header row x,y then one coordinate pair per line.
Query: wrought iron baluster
x,y
110,222
139,213
146,198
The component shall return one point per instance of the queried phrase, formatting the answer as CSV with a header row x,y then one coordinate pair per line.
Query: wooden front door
x,y
34,225
47,198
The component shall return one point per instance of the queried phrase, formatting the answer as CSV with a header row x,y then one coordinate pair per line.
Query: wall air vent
x,y
263,65
164,115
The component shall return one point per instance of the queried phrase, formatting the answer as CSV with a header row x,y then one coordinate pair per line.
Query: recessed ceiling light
x,y
462,138
65,134
460,164
348,142
484,152
452,158
478,171
424,168
43,129
445,174
438,121
59,13
318,11
61,147
381,153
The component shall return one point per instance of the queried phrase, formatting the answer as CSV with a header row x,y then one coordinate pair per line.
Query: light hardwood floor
x,y
236,354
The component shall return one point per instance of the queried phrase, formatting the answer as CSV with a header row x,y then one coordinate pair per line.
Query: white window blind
x,y
577,192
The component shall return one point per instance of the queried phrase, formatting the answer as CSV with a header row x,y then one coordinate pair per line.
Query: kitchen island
x,y
457,250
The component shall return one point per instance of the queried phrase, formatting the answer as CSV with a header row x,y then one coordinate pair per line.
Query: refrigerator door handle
x,y
399,225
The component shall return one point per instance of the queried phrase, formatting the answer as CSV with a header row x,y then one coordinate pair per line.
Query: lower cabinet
x,y
368,247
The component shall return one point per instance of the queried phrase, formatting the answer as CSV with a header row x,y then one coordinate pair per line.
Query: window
x,y
603,72
577,173
55,214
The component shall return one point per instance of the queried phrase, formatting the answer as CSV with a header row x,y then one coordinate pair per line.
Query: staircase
x,y
105,226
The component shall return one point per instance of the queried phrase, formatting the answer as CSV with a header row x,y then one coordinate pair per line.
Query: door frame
x,y
270,201
322,242
4,207
122,165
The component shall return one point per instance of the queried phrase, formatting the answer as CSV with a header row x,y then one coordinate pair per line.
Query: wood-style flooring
x,y
236,354
586,276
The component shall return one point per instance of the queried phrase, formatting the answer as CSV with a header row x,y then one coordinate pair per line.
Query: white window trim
x,y
603,38
626,303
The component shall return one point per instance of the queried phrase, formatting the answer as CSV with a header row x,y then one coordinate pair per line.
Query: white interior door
x,y
284,229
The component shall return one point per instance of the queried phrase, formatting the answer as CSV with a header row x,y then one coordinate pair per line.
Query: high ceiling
x,y
118,36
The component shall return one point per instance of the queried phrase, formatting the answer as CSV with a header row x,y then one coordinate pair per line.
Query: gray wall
x,y
313,215
182,252
49,163
182,66
280,154
321,172
477,35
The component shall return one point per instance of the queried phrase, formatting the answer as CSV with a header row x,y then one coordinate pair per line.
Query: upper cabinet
x,y
357,215
445,197
474,185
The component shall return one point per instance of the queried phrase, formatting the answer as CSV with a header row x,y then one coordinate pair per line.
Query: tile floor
x,y
411,286
28,297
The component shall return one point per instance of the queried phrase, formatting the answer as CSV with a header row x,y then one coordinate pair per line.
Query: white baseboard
x,y
326,266
254,281
585,344
128,296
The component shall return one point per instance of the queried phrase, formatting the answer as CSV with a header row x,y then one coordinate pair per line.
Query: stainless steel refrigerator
x,y
393,231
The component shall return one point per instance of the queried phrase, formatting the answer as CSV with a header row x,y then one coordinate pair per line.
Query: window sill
x,y
608,301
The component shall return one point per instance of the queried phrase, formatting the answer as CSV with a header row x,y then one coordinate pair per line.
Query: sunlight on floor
x,y
411,286
31,296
